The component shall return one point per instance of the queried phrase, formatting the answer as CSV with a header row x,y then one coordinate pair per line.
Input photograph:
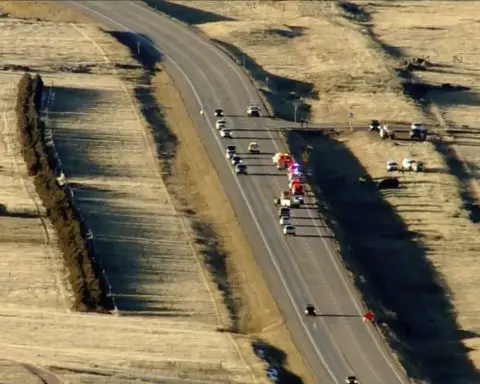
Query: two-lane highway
x,y
298,269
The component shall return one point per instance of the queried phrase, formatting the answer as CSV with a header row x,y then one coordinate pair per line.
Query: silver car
x,y
289,230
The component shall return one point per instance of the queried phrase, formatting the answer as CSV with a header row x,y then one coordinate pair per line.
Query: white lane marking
x,y
262,235
312,299
215,50
353,299
343,320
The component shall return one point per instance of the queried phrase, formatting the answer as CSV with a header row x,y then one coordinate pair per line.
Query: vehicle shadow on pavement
x,y
262,174
165,140
315,236
390,267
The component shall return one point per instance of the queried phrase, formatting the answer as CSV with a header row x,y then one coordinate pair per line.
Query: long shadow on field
x,y
457,168
4,212
216,260
129,239
276,361
74,99
165,140
81,151
186,14
133,255
282,93
76,139
391,269
166,145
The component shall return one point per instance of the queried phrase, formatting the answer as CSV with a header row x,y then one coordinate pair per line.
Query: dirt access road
x,y
98,99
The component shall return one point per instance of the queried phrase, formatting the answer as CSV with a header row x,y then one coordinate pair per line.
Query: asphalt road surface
x,y
299,270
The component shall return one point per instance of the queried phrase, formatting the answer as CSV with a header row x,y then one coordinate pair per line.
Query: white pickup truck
x,y
287,200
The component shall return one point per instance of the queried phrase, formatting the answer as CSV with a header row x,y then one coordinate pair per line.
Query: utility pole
x,y
350,117
295,109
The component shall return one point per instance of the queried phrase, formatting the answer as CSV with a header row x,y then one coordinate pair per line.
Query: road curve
x,y
298,270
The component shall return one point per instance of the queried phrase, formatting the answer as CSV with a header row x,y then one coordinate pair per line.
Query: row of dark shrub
x,y
74,238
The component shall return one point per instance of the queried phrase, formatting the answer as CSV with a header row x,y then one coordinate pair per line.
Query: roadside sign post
x,y
295,109
350,117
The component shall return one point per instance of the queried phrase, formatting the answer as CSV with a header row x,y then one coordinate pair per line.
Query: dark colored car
x,y
310,310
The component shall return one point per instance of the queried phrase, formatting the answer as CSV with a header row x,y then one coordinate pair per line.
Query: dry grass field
x,y
43,10
31,239
32,266
170,313
448,33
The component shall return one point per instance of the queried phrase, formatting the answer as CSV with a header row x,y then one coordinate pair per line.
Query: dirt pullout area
x,y
413,250
142,240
